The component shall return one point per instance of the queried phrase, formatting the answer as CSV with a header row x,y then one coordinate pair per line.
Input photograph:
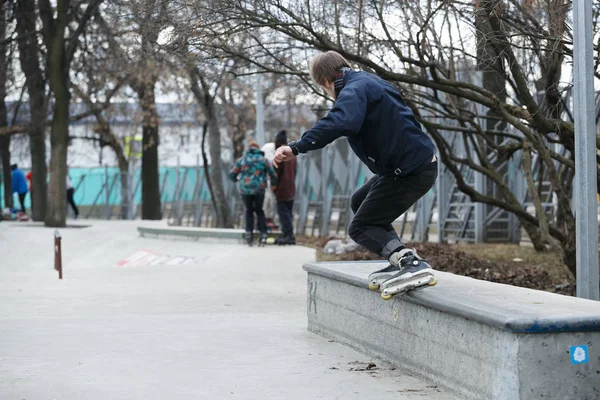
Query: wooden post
x,y
57,254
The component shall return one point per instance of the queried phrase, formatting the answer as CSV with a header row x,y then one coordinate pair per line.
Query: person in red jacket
x,y
28,177
285,192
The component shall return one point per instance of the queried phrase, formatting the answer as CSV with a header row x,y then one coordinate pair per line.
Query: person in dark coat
x,y
285,192
385,135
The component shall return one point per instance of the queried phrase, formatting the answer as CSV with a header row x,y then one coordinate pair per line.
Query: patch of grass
x,y
503,263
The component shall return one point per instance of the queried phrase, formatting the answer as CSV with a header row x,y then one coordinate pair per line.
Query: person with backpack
x,y
251,171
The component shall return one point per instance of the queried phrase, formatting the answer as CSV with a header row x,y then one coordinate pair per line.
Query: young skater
x,y
252,170
384,134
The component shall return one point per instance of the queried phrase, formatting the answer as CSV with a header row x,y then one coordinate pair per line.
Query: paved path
x,y
154,319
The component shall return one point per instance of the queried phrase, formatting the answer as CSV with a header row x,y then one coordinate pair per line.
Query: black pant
x,y
254,204
70,193
380,201
286,217
22,201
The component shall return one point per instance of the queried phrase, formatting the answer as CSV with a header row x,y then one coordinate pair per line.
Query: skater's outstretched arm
x,y
345,119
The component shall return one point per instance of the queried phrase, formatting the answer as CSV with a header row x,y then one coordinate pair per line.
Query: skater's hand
x,y
284,153
273,188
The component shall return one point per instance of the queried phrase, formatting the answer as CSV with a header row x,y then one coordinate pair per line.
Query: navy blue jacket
x,y
380,127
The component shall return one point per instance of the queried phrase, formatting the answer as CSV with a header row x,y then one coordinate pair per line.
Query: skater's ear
x,y
324,66
329,88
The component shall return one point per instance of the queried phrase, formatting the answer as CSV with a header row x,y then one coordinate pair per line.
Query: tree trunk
x,y
123,162
60,51
6,172
151,207
56,215
58,72
206,168
34,80
125,206
4,140
216,172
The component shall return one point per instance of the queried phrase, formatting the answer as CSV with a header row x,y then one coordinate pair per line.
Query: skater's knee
x,y
355,229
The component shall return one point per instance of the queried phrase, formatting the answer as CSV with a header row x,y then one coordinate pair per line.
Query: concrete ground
x,y
138,318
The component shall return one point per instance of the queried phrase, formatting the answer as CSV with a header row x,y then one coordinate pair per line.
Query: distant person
x,y
251,171
29,178
70,193
269,150
285,192
19,185
270,205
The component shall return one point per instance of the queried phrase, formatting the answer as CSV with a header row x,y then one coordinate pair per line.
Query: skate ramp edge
x,y
205,234
233,235
480,339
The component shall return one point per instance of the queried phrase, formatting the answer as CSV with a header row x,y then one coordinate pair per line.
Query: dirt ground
x,y
502,263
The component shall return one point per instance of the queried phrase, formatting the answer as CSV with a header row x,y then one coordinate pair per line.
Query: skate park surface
x,y
144,318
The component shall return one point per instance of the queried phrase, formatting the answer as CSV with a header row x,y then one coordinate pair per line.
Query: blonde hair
x,y
324,66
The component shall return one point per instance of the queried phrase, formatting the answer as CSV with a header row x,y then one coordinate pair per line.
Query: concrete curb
x,y
480,339
192,233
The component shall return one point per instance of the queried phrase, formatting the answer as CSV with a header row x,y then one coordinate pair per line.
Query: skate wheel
x,y
373,286
433,282
386,296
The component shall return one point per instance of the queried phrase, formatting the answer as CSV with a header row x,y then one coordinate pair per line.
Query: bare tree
x,y
4,140
144,85
424,48
136,48
61,42
29,51
237,100
107,136
206,74
205,96
102,78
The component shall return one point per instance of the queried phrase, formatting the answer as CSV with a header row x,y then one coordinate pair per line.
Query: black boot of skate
x,y
287,239
415,272
378,277
250,238
279,239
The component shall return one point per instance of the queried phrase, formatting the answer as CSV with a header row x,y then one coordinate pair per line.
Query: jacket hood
x,y
255,151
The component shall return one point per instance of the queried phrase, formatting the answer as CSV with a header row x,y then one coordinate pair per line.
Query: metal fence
x,y
325,182
324,185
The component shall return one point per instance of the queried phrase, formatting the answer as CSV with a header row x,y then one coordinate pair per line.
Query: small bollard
x,y
57,254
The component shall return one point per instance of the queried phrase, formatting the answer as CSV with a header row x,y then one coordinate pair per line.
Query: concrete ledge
x,y
480,339
236,235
